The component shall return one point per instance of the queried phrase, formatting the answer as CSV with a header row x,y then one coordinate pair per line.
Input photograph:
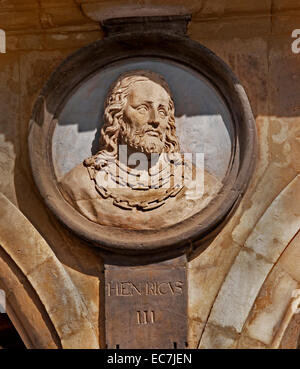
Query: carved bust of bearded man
x,y
138,179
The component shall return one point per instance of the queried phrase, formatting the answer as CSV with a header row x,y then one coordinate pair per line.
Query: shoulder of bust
x,y
76,183
75,174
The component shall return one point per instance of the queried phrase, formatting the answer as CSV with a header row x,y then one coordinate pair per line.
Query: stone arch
x,y
24,308
29,269
256,263
280,299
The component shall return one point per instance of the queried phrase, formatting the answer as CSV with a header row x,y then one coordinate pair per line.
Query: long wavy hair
x,y
113,112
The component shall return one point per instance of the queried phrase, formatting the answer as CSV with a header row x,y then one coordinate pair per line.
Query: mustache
x,y
144,131
140,133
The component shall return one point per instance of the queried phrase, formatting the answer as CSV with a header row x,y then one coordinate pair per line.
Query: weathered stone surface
x,y
290,259
246,342
7,157
269,308
40,34
57,4
273,232
48,277
56,16
28,19
246,54
100,10
239,291
9,105
206,274
194,334
216,337
22,308
53,40
217,8
284,143
78,262
278,165
40,14
224,29
284,71
290,339
275,180
280,5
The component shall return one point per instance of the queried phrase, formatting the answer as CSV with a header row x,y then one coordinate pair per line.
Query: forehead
x,y
148,91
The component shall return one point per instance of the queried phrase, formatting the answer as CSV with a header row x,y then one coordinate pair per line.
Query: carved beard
x,y
141,140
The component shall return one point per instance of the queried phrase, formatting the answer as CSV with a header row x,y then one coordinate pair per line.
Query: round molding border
x,y
86,62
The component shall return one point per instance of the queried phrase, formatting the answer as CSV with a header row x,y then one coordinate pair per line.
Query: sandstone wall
x,y
241,286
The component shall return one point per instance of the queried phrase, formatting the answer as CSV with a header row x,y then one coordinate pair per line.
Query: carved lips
x,y
154,133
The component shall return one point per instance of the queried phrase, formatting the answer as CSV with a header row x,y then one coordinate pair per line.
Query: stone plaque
x,y
146,306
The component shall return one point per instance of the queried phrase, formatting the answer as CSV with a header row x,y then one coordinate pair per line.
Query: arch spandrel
x,y
45,275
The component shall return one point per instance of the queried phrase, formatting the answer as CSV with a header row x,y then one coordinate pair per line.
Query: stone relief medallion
x,y
139,178
142,148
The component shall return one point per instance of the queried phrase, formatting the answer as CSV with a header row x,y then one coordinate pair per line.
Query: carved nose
x,y
154,123
154,118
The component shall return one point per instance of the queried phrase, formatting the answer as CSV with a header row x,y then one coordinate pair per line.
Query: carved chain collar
x,y
144,190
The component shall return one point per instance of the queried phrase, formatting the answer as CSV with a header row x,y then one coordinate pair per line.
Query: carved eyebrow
x,y
142,103
165,107
150,103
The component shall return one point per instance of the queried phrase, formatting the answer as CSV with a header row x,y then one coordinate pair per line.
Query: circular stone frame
x,y
85,63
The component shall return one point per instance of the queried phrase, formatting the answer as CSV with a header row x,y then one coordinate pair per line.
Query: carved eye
x,y
142,109
162,113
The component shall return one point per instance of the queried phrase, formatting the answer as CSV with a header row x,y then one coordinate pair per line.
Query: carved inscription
x,y
146,306
145,317
155,288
